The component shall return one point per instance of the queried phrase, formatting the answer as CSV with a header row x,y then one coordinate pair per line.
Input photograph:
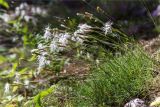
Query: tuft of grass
x,y
116,80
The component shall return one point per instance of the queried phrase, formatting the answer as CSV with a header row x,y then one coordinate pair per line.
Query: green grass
x,y
115,81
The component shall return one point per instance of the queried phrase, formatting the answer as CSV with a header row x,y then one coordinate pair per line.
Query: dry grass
x,y
152,45
153,48
154,90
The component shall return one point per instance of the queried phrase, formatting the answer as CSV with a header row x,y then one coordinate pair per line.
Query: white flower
x,y
59,42
44,12
88,56
17,78
80,40
5,17
54,46
79,34
28,18
17,11
38,10
56,35
42,58
84,28
77,39
34,50
20,98
42,61
47,34
63,40
12,56
41,46
9,97
23,13
23,6
97,61
6,88
33,10
26,83
73,38
107,27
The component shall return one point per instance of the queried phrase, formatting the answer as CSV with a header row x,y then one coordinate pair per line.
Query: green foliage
x,y
2,59
116,80
21,28
38,98
120,75
4,3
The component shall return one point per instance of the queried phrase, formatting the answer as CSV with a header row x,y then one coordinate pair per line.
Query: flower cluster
x,y
59,40
55,41
78,35
107,27
24,11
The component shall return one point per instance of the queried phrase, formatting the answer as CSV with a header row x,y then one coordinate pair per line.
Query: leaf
x,y
4,3
37,99
2,59
32,58
15,88
11,74
23,70
25,29
29,103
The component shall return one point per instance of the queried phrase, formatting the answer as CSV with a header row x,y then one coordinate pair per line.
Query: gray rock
x,y
135,103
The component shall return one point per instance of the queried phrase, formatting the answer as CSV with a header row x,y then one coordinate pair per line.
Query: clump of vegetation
x,y
83,62
112,83
116,80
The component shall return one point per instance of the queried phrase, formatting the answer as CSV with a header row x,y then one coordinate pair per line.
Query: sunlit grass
x,y
116,80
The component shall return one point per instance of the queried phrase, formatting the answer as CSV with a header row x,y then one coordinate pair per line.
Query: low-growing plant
x,y
116,80
117,75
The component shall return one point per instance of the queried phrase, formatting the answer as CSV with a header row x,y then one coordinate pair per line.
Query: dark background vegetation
x,y
133,16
